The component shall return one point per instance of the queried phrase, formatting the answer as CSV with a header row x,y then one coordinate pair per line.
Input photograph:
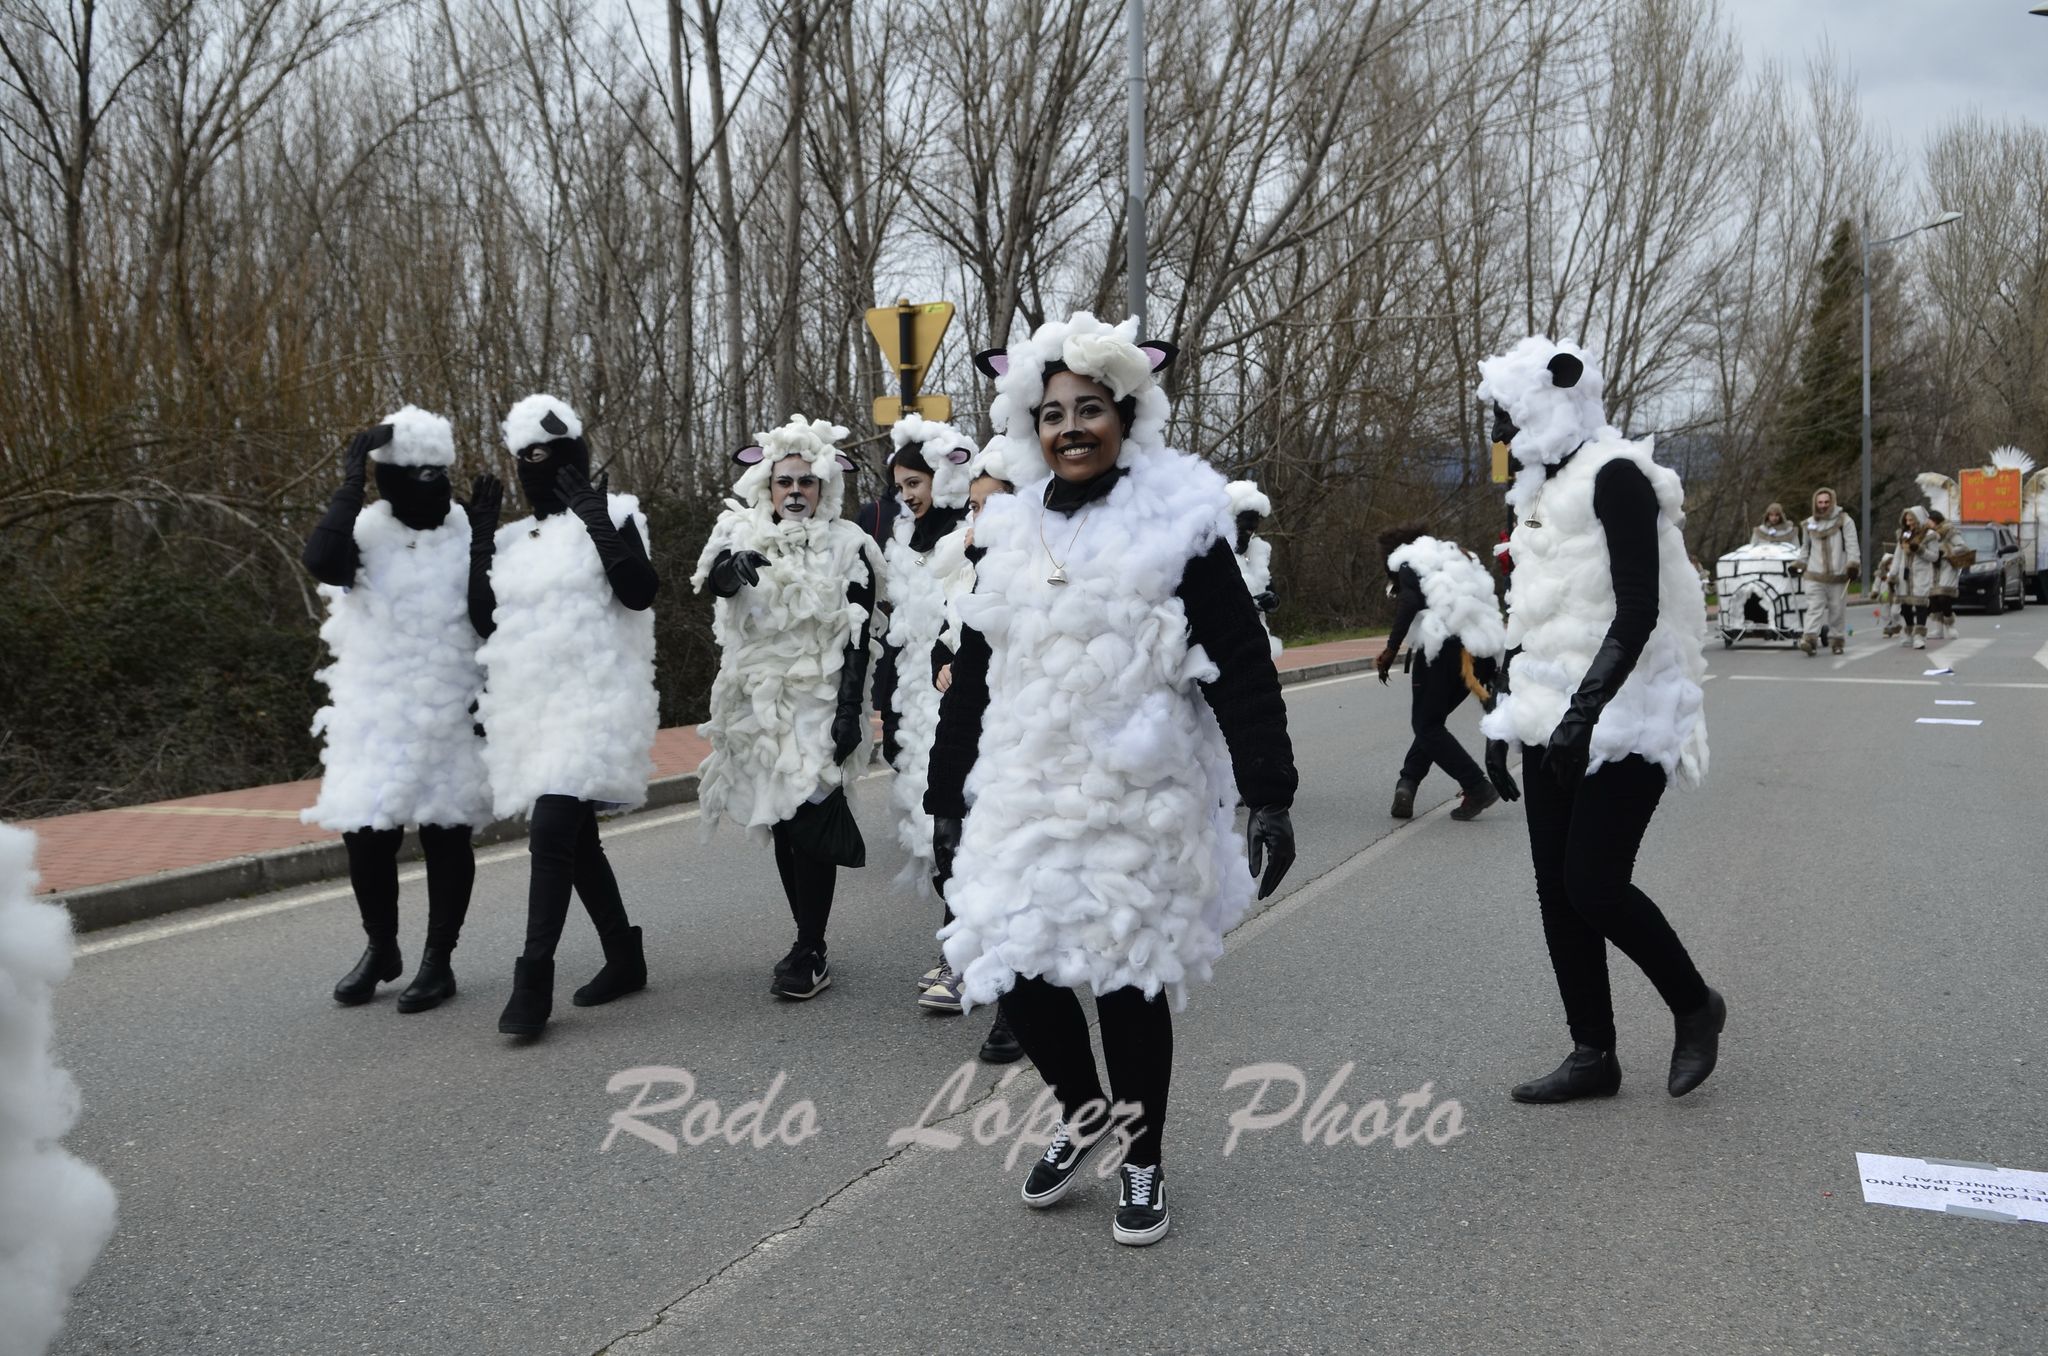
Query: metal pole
x,y
906,344
1134,136
1869,515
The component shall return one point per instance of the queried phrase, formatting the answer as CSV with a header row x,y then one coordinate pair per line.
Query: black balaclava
x,y
1504,431
419,495
1247,523
537,478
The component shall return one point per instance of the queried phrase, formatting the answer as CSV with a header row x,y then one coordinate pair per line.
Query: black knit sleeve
x,y
861,593
958,741
1245,694
330,552
626,566
1408,604
1627,508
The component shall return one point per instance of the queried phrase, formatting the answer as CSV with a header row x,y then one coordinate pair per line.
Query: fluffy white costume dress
x,y
918,585
1458,599
400,741
1561,596
569,706
1100,848
783,641
56,1212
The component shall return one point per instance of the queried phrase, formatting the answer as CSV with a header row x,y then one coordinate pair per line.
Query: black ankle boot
x,y
1698,1045
533,997
1588,1071
624,972
380,962
1404,798
1002,1046
432,984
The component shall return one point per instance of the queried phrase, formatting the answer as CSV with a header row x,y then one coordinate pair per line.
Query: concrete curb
x,y
94,907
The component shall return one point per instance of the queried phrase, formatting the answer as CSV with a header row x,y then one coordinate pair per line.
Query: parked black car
x,y
1995,582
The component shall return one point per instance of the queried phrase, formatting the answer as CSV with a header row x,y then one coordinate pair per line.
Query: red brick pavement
x,y
139,840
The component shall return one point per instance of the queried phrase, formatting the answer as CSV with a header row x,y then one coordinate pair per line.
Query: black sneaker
x,y
807,977
796,955
1141,1206
1053,1174
1475,801
1404,799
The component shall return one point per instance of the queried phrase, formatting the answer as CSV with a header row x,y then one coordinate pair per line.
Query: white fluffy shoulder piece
x,y
782,645
1094,348
1561,602
569,706
947,450
526,424
1458,599
400,743
56,1212
418,438
1100,849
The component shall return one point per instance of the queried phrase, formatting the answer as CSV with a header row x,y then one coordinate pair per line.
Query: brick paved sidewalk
x,y
103,846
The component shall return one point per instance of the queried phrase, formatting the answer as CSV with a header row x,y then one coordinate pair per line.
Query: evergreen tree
x,y
1820,424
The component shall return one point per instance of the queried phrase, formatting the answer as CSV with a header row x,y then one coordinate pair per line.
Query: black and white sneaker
x,y
1141,1206
1054,1173
807,976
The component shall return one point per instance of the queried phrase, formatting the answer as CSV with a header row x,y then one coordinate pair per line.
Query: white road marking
x,y
1952,701
2041,656
1883,682
1945,720
1293,688
1863,652
1952,650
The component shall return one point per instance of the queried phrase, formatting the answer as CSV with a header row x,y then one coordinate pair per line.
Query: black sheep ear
x,y
750,455
1565,371
1158,352
553,424
992,362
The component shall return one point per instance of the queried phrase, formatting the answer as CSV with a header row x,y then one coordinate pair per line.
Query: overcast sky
x,y
1916,62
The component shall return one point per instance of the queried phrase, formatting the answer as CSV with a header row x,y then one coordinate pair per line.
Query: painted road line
x,y
1953,650
1952,701
1945,720
1885,682
2041,656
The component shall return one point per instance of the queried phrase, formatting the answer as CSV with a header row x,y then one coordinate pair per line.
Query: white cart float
x,y
1760,597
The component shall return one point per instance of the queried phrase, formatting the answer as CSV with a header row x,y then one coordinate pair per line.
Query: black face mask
x,y
537,477
1247,523
419,495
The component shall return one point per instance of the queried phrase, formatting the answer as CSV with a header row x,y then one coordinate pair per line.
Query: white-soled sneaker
x,y
1141,1217
1053,1174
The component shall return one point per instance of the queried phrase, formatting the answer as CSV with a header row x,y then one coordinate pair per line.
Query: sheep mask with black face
x,y
1546,405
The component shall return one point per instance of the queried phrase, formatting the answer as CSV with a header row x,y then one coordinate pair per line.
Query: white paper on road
x,y
1946,720
1951,701
1978,1190
1931,673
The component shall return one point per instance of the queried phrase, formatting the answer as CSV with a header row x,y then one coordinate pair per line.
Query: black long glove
x,y
355,463
486,500
731,572
1269,844
945,846
1571,743
846,725
1268,601
1496,680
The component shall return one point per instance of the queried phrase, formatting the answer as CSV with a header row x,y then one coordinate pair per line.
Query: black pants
x,y
1137,1044
1942,605
1439,688
807,884
1913,614
1584,842
451,871
562,842
884,689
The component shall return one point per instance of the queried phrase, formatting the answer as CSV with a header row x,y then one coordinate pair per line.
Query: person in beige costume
x,y
1912,573
1948,577
1775,530
1833,558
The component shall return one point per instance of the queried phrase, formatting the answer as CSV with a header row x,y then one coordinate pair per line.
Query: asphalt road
x,y
1865,889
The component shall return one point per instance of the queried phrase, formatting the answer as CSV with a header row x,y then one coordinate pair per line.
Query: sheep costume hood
x,y
399,746
1458,599
1561,596
782,642
56,1212
948,451
1100,849
569,705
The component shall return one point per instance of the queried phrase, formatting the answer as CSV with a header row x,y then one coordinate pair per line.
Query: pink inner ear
x,y
1155,356
749,456
845,462
1001,363
958,456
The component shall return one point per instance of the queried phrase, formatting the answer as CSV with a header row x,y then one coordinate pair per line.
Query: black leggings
x,y
562,842
1913,614
1584,841
1439,690
451,871
807,884
1137,1044
1942,605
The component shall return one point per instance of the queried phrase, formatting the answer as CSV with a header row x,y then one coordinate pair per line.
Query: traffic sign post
x,y
909,335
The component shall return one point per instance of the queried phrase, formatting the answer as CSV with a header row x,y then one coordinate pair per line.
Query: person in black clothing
x,y
1603,692
569,709
1098,847
877,517
1457,629
399,743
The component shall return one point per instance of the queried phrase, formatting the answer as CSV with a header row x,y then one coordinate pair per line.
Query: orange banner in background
x,y
1991,496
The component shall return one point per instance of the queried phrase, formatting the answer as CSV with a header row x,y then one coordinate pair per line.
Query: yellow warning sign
x,y
888,409
909,333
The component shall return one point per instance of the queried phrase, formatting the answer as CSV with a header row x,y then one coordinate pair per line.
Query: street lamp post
x,y
1869,533
1134,135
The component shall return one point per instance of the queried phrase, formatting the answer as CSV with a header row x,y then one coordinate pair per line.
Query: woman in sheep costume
x,y
1912,573
1603,693
563,599
1249,507
401,745
795,584
1112,675
1445,600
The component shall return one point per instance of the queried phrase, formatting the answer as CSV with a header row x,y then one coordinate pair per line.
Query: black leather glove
x,y
847,725
1384,662
585,500
1268,601
355,462
945,845
730,573
1269,844
1571,743
1497,770
486,499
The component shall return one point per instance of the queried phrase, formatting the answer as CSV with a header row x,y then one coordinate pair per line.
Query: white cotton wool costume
x,y
1099,850
782,641
569,706
1458,599
56,1212
1561,596
1255,562
400,741
918,586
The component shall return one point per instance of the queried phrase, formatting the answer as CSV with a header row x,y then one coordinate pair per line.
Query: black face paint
x,y
419,495
541,463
